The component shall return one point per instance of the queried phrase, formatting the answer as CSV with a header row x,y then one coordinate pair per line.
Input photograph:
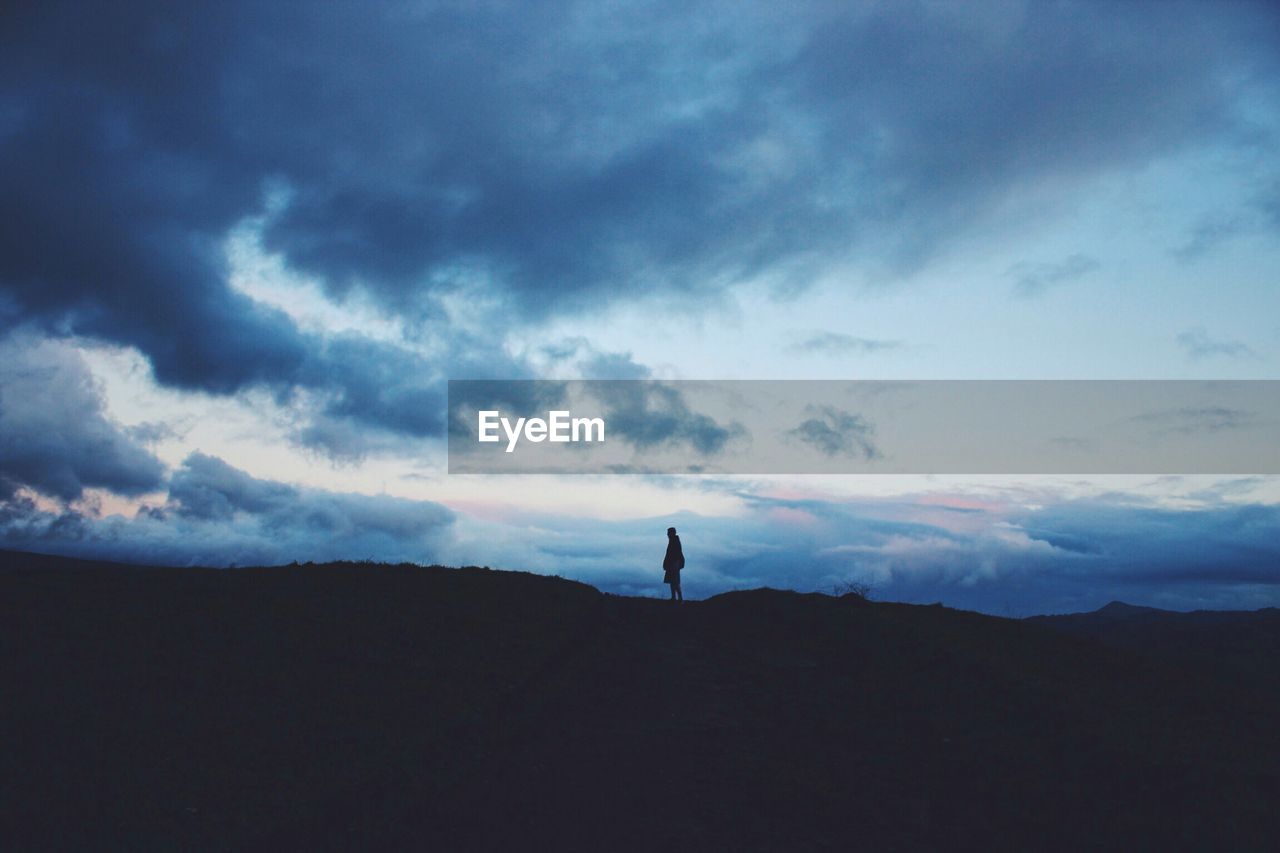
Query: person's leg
x,y
673,592
676,592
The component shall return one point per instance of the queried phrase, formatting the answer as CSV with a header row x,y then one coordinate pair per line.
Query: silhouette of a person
x,y
672,564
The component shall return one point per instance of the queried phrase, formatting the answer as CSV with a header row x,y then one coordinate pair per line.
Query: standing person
x,y
672,564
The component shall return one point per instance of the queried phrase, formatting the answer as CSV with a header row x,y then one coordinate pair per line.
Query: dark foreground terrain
x,y
399,707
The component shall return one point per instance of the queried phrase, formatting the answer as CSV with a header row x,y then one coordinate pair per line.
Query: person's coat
x,y
674,561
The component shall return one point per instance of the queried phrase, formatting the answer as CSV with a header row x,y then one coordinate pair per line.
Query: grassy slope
x,y
401,707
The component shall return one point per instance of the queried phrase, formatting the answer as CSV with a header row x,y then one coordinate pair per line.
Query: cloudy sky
x,y
244,246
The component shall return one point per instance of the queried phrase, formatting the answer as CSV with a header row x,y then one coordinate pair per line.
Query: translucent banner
x,y
864,427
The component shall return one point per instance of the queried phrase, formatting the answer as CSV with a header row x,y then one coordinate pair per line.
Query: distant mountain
x,y
1244,644
1108,614
1120,610
362,706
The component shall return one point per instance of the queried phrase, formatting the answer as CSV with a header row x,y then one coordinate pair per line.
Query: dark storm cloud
x,y
55,436
366,388
959,103
549,157
218,515
596,152
206,487
360,396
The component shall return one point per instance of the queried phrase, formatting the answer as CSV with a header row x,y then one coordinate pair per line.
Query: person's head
x,y
671,531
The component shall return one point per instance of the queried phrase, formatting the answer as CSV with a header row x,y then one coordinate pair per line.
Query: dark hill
x,y
401,707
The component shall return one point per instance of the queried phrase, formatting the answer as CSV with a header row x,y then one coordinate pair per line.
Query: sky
x,y
245,245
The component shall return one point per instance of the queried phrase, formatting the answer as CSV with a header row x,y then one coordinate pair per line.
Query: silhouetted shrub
x,y
855,588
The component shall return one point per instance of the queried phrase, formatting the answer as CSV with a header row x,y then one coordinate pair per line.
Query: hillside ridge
x,y
332,706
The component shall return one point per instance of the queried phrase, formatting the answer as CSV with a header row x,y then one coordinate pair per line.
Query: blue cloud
x,y
836,432
1198,344
838,343
651,415
55,435
218,515
1034,279
553,159
532,162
